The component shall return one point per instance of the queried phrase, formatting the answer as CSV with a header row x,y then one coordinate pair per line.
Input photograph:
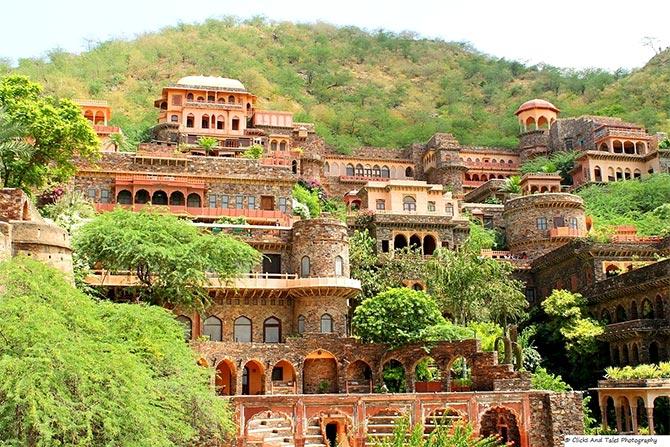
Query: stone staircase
x,y
270,430
382,424
314,437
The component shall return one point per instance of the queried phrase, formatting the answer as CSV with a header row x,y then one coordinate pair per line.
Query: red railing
x,y
473,183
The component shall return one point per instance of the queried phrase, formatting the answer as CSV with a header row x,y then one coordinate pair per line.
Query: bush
x,y
639,372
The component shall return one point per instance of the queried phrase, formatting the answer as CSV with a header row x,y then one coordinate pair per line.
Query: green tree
x,y
119,141
541,379
170,257
80,372
311,204
208,143
55,130
254,152
512,185
69,210
569,318
396,316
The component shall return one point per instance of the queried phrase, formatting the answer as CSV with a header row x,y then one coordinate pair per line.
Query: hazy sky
x,y
565,33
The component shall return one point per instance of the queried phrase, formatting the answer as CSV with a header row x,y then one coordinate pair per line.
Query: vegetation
x,y
80,372
512,185
70,210
254,152
643,203
360,88
396,316
170,257
306,203
208,143
541,379
639,372
457,434
562,162
39,135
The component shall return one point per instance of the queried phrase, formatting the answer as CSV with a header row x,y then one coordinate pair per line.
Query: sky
x,y
564,33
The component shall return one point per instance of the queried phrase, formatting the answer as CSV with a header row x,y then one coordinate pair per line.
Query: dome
x,y
536,104
212,81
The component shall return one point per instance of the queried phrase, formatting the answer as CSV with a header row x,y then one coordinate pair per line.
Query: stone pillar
x,y
617,412
603,413
650,418
633,417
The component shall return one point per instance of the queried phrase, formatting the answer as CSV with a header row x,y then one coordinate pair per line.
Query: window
x,y
242,330
350,170
186,322
277,373
212,328
541,223
239,202
326,324
272,330
90,192
431,206
301,324
236,123
220,122
190,119
204,122
124,197
568,144
449,209
385,172
409,172
193,201
212,200
174,118
283,205
381,204
339,266
104,195
409,203
189,97
573,223
176,100
251,202
487,221
304,267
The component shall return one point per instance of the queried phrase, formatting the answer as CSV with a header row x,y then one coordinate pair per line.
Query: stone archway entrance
x,y
320,373
502,422
225,379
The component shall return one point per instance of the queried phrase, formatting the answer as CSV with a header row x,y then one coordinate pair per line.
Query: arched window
x,y
449,209
124,197
339,266
190,120
142,196
409,203
409,172
212,328
159,198
235,124
188,326
174,118
350,170
386,173
189,97
647,309
359,170
326,324
301,324
294,167
606,317
242,330
177,198
220,122
304,267
231,99
282,146
659,307
598,174
272,330
193,201
210,98
204,122
273,145
326,168
620,314
376,171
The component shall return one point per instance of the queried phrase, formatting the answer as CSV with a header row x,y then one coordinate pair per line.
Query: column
x,y
603,413
633,416
617,412
650,418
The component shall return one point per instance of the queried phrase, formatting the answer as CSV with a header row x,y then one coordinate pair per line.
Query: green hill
x,y
379,88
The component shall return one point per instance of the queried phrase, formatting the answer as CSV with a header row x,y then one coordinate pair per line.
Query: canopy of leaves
x,y
396,316
541,379
171,257
643,203
70,210
207,143
55,130
79,372
309,200
254,152
561,161
360,88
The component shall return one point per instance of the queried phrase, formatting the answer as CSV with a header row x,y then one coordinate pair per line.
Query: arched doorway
x,y
193,201
283,378
415,242
319,373
393,374
399,242
427,376
124,197
159,198
502,422
225,380
460,377
359,377
429,245
253,378
142,196
177,198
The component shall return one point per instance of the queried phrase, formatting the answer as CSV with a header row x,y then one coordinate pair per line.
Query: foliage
x,y
479,238
642,203
512,185
561,161
541,379
569,319
120,142
448,331
254,152
457,434
170,257
309,199
70,210
376,272
39,135
396,316
81,372
232,220
208,143
590,422
639,372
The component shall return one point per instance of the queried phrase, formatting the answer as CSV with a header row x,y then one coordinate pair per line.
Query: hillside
x,y
378,89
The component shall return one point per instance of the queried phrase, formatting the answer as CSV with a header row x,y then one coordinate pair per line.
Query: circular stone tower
x,y
539,223
535,120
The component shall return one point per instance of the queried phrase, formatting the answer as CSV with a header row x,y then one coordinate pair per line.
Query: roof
x,y
211,81
536,104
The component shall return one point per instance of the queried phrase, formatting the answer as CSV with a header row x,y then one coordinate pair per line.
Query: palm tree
x,y
118,140
512,185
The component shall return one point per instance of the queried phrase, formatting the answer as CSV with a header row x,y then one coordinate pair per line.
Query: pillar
x,y
650,418
603,414
633,416
617,413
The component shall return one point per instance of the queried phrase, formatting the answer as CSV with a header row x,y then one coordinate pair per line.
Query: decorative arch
x,y
429,244
213,328
359,377
621,314
193,200
225,380
399,241
159,198
320,373
188,326
253,378
409,172
283,378
124,197
530,123
502,422
305,267
394,376
242,330
542,122
350,170
326,323
142,196
177,198
204,121
415,242
647,309
272,330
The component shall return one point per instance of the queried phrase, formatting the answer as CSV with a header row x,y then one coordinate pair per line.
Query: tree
x,y
308,199
208,143
76,371
396,316
70,210
119,141
254,152
170,257
54,129
456,434
568,316
512,185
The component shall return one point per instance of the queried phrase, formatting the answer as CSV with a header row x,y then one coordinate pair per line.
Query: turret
x,y
535,119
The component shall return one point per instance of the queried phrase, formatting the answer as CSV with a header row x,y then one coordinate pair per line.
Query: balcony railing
x,y
473,183
605,132
203,212
642,324
362,178
492,166
214,105
123,179
566,232
100,128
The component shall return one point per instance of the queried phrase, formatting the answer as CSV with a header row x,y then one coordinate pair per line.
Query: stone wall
x,y
322,241
553,416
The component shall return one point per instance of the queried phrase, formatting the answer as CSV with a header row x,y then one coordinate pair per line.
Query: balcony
x,y
492,166
205,213
473,183
632,133
150,180
362,179
102,129
631,328
561,232
214,105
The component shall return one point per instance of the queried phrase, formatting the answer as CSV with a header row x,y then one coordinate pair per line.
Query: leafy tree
x,y
512,185
569,318
81,372
560,161
43,134
120,142
254,152
396,316
70,210
170,257
541,379
208,143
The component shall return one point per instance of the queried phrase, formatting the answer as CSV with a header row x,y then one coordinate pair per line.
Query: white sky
x,y
565,33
